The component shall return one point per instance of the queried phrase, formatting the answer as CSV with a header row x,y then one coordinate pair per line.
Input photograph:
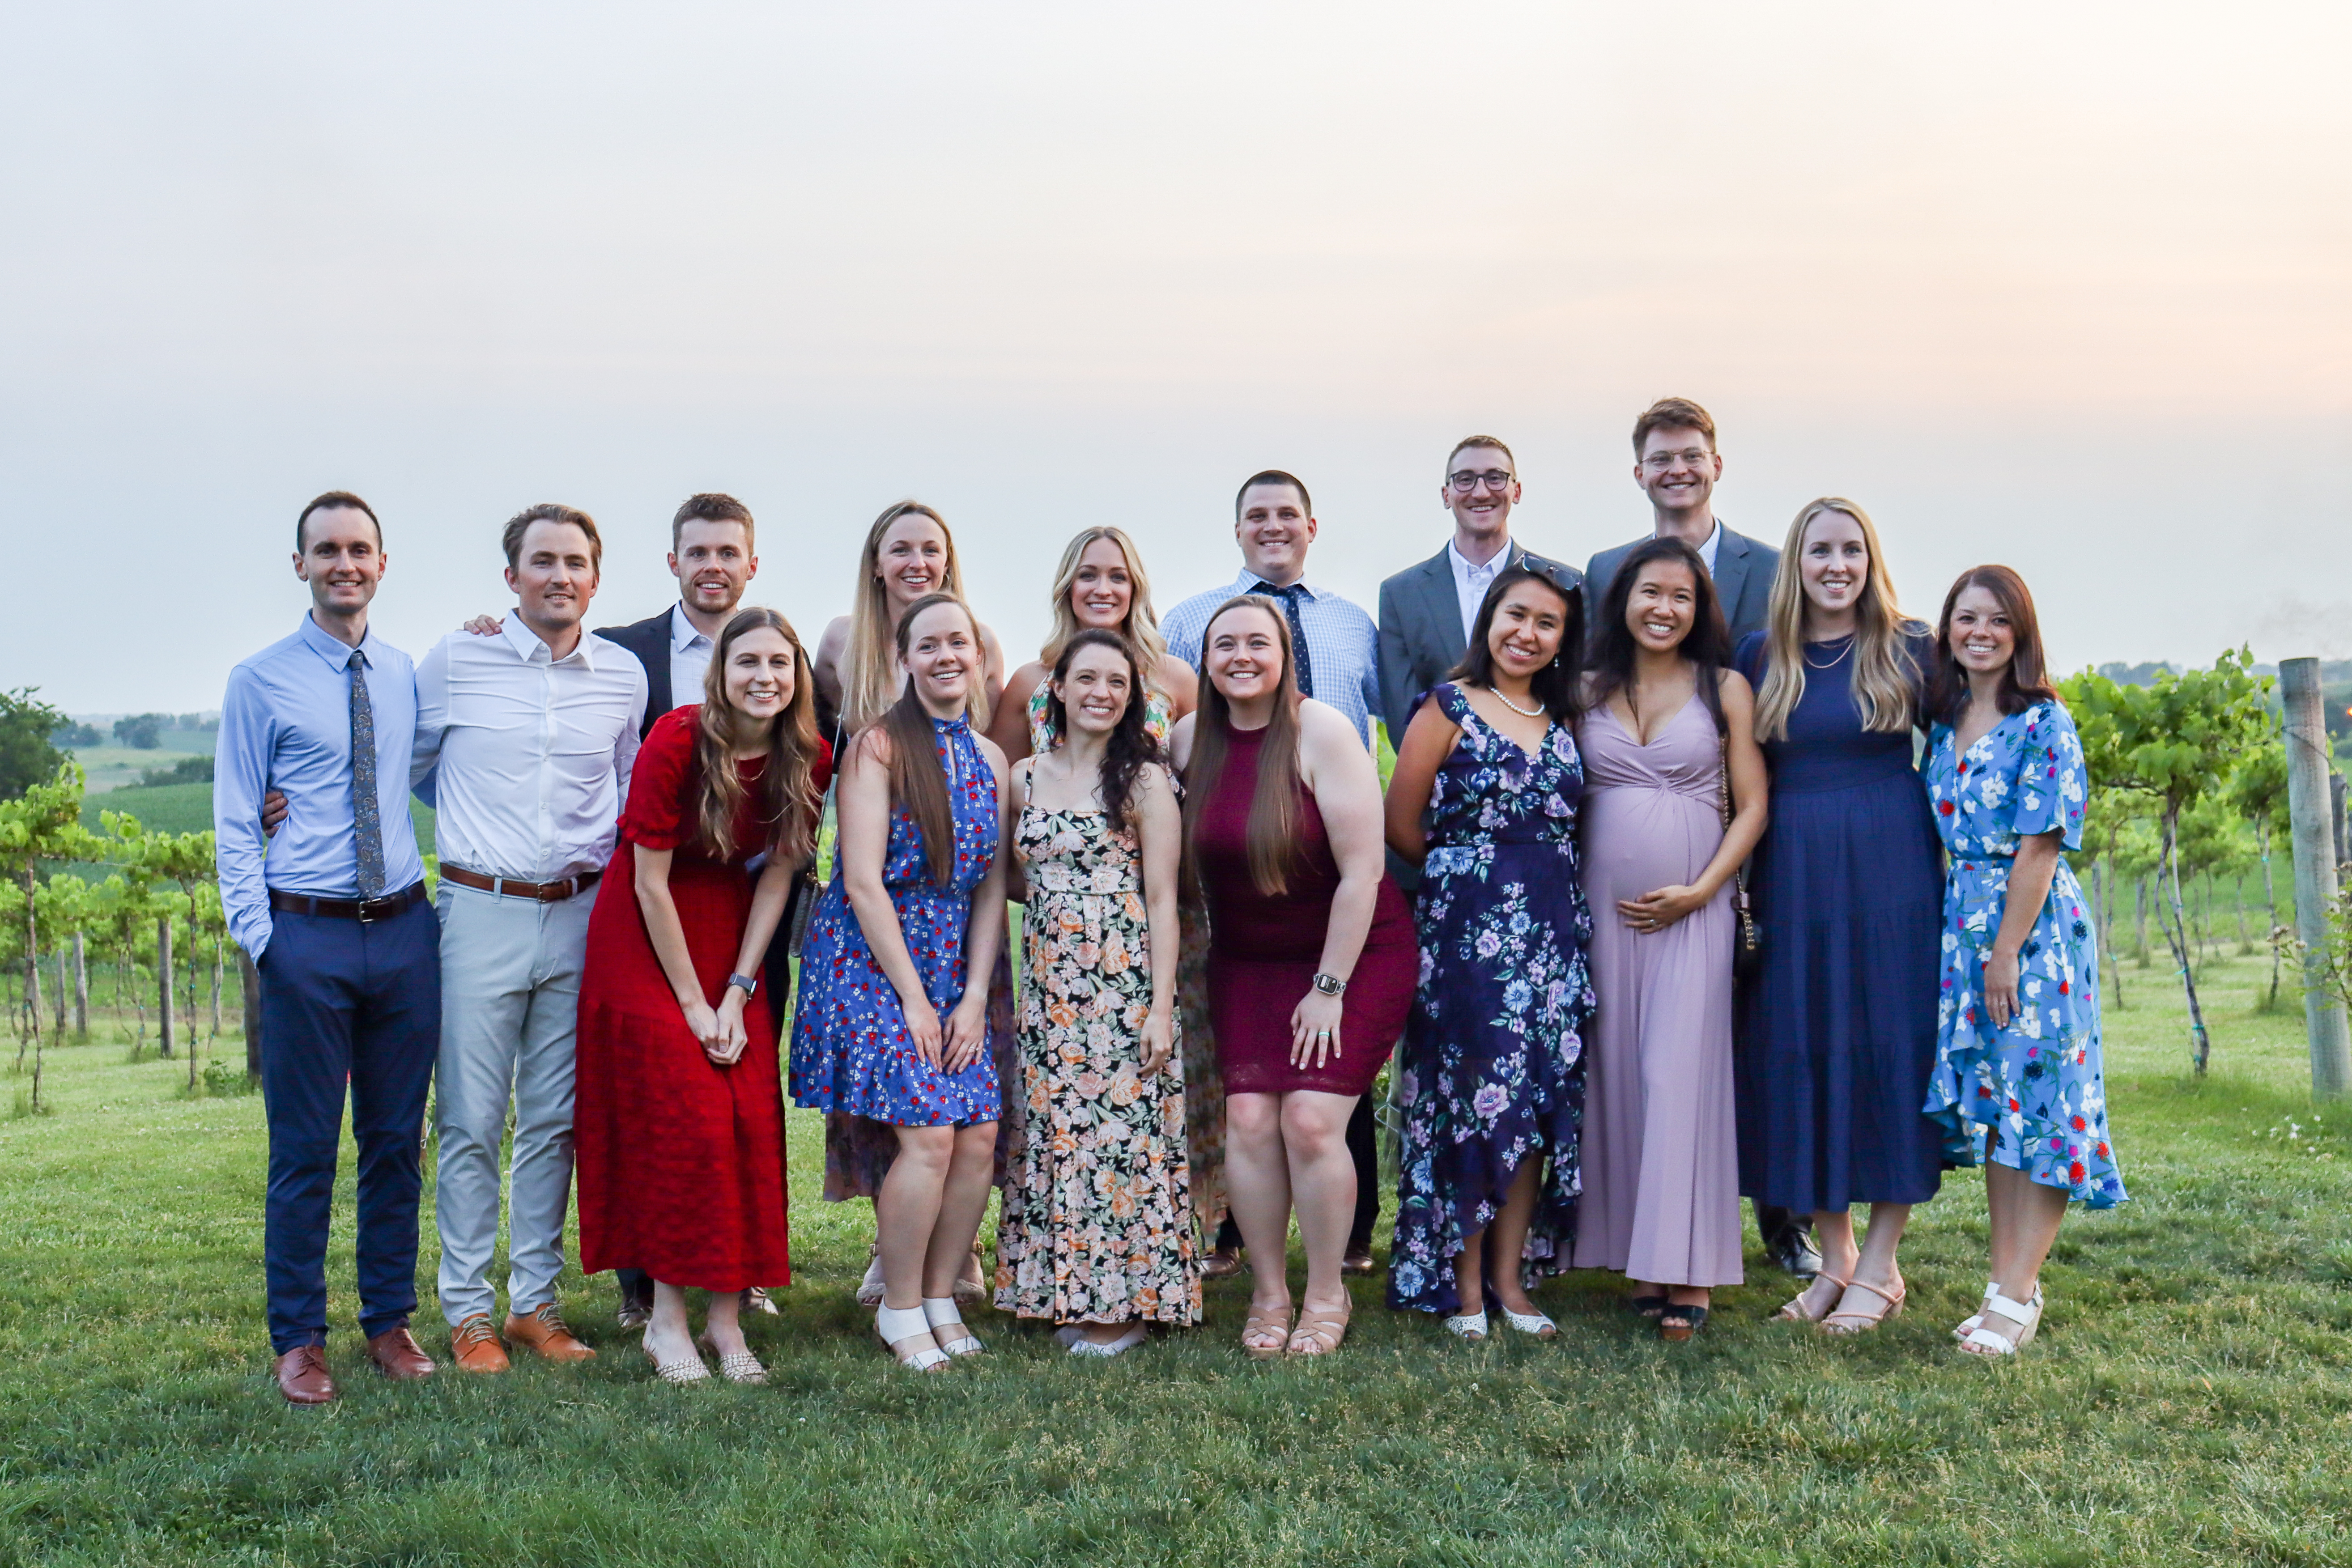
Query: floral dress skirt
x,y
1096,1224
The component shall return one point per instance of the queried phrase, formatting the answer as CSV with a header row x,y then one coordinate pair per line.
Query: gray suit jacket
x,y
1744,569
1421,629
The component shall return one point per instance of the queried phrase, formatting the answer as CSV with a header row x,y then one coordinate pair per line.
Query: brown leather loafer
x,y
1221,1265
546,1334
399,1357
302,1376
1358,1260
475,1346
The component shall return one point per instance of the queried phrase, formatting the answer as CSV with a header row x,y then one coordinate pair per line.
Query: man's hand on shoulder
x,y
485,625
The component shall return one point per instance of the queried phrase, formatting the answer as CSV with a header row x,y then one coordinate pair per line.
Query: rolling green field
x,y
2187,1403
188,808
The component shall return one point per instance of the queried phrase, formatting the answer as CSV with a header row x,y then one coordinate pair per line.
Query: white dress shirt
x,y
1342,647
1470,581
690,657
525,757
1714,542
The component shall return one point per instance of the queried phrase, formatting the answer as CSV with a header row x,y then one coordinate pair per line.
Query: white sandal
x,y
896,1326
869,1290
1992,1287
687,1369
1104,1349
946,1320
1468,1326
1985,1342
736,1367
1535,1323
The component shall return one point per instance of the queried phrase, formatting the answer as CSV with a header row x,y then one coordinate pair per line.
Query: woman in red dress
x,y
1312,957
680,1117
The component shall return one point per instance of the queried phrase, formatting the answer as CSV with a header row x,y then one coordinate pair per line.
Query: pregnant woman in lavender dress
x,y
1669,753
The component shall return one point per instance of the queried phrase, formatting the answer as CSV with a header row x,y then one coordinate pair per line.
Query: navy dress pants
x,y
346,1002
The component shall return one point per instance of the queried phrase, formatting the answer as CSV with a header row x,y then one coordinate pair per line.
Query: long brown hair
x,y
1884,679
2025,682
867,681
1273,799
787,804
919,780
1129,745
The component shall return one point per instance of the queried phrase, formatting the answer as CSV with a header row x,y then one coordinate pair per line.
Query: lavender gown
x,y
1661,1154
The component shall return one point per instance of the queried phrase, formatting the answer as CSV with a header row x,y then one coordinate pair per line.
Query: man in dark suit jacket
x,y
1676,465
1426,610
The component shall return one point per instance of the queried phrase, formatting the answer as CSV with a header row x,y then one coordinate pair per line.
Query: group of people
x,y
1702,873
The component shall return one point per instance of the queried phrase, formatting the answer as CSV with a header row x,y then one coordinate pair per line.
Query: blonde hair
x,y
869,664
1885,676
1141,627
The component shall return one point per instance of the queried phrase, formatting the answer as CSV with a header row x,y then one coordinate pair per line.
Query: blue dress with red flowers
x,y
2038,1087
851,1049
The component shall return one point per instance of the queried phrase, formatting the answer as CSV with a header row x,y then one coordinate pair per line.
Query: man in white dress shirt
x,y
524,744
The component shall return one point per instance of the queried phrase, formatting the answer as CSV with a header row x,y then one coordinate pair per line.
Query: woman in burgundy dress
x,y
1311,955
680,1115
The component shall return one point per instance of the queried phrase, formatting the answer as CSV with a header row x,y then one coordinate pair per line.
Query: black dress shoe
x,y
1794,1251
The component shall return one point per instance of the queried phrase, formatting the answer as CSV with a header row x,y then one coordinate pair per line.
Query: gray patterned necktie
x,y
1300,658
367,818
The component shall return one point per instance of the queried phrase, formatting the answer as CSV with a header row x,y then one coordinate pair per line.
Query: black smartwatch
x,y
749,984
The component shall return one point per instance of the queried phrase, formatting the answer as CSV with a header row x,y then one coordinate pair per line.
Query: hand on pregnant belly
x,y
1656,910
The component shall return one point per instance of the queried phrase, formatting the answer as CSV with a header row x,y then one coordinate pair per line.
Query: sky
x,y
2067,286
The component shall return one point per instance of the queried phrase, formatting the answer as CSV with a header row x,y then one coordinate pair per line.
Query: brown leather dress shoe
x,y
1358,1260
475,1345
302,1375
399,1357
1221,1265
543,1332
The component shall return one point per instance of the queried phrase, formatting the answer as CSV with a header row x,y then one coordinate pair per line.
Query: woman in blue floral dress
x,y
889,1027
1491,1074
2018,1083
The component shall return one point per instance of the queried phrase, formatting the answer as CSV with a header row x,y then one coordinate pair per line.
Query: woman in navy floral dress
x,y
1492,1073
889,1027
2019,1084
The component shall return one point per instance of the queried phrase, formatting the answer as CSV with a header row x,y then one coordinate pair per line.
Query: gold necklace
x,y
1833,662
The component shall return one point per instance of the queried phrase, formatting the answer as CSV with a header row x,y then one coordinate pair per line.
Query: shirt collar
x,y
683,634
1463,566
531,647
1249,580
337,653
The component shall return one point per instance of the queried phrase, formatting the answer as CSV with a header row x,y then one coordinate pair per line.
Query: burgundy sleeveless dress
x,y
1264,951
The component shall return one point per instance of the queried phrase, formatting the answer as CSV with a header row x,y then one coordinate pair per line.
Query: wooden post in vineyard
x,y
81,989
164,986
2312,807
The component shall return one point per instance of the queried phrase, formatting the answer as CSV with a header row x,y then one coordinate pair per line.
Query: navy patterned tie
x,y
1290,598
367,818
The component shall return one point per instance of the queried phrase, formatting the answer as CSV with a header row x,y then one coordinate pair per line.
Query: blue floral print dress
x,y
1492,1072
851,1050
2040,1084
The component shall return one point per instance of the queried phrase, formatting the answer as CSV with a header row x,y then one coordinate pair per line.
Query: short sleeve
x,y
657,817
2053,780
1919,646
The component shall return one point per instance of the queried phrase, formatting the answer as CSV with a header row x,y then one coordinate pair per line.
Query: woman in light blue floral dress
x,y
2018,1083
1492,1073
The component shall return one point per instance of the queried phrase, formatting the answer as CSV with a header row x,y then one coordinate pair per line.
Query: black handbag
x,y
1747,945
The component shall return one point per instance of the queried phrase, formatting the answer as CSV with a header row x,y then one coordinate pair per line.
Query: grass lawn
x,y
2187,1403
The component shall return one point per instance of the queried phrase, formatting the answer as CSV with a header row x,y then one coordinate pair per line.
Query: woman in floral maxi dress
x,y
2019,1083
1492,1081
1096,1234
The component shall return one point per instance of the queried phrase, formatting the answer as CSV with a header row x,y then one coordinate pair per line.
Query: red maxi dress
x,y
681,1161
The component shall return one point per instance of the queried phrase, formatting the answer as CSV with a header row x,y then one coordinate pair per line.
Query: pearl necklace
x,y
1535,712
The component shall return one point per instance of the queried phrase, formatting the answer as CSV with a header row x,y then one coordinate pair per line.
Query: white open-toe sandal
x,y
1992,1287
1080,1346
1985,1342
1535,1323
946,1320
898,1325
1470,1326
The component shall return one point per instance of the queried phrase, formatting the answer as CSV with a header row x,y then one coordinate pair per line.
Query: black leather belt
x,y
360,909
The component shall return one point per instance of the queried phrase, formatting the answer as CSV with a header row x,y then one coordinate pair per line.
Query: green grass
x,y
112,767
2187,1403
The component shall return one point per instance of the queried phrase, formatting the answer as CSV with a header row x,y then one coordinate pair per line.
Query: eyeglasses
x,y
1465,481
1694,457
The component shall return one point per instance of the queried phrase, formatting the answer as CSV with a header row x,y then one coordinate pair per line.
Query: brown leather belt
x,y
514,888
360,909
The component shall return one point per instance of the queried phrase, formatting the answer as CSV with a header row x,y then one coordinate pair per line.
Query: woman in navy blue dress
x,y
1492,1076
1838,1026
890,1026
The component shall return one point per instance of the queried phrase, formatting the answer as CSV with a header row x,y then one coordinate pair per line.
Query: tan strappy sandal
x,y
1320,1332
1843,1323
1269,1324
1794,1312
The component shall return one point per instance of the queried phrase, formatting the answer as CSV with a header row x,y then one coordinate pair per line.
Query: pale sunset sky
x,y
2067,286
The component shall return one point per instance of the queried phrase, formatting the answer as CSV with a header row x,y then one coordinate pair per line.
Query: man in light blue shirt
x,y
1336,648
332,912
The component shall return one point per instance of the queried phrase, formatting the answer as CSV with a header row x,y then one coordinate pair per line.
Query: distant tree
x,y
73,735
141,731
187,769
2175,741
27,755
2257,792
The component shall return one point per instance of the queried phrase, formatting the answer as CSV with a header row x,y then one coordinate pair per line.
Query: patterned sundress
x,y
851,1049
2040,1084
1492,1072
1097,1223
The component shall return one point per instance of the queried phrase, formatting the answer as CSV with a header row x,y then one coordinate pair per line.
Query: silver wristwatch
x,y
1330,985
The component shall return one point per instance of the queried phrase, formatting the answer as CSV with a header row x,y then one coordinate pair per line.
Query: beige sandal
x,y
1794,1312
1320,1332
1268,1324
1843,1323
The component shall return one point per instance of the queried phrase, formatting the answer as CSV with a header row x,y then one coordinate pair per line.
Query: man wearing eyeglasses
x,y
1426,611
1676,465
